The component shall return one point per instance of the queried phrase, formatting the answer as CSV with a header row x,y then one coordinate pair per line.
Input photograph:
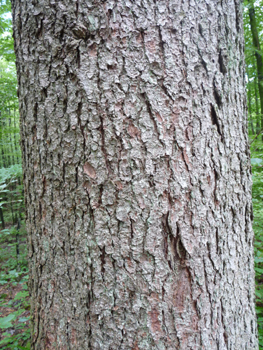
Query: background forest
x,y
14,304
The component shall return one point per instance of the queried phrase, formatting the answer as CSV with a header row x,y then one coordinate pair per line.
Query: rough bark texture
x,y
137,174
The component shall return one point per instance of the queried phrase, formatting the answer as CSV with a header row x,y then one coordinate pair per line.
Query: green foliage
x,y
8,84
9,118
255,126
13,262
14,275
6,40
254,109
15,338
5,18
257,170
11,193
11,173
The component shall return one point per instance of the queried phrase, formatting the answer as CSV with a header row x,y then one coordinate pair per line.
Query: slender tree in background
x,y
258,55
258,115
9,128
250,107
137,174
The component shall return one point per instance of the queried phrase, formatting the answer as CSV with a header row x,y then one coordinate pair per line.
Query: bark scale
x,y
137,174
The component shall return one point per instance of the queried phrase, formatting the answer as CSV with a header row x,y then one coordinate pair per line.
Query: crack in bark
x,y
103,145
149,110
217,96
223,324
215,187
77,8
215,120
237,8
200,29
204,64
161,44
165,90
222,66
217,241
103,261
175,244
184,157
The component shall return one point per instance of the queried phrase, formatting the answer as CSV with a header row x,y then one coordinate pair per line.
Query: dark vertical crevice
x,y
77,8
103,147
103,260
100,195
76,177
180,249
215,120
168,239
78,57
132,231
161,44
217,96
217,241
150,113
238,15
200,29
204,64
165,90
215,187
39,30
79,111
221,63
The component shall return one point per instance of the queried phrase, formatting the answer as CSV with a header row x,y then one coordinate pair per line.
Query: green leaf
x,y
258,260
5,322
21,295
256,161
260,271
259,294
24,319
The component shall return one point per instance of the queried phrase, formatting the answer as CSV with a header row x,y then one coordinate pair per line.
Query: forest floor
x,y
14,296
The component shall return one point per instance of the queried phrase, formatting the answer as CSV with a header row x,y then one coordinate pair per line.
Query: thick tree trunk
x,y
137,174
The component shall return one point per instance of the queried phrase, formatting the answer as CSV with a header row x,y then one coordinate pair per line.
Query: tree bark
x,y
137,174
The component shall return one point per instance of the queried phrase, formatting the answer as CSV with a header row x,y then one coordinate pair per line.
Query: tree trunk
x,y
11,139
250,116
258,55
258,115
2,159
137,174
16,140
2,218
